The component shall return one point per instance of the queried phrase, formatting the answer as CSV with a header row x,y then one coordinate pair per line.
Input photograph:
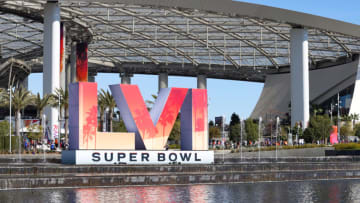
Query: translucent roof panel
x,y
122,33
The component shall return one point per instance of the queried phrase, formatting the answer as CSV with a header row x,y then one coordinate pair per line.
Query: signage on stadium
x,y
146,130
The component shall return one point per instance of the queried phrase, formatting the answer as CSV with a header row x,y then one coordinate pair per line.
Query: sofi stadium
x,y
302,59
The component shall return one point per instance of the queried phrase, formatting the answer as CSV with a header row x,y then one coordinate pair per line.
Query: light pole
x,y
19,123
43,121
241,137
260,120
59,120
10,89
331,111
223,137
277,134
338,116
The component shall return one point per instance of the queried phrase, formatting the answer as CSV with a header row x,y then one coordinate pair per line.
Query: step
x,y
172,178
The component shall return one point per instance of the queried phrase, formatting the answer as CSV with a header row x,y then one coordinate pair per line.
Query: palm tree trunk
x,y
17,123
110,120
101,121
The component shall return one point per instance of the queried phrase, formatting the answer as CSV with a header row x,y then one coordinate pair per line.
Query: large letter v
x,y
151,130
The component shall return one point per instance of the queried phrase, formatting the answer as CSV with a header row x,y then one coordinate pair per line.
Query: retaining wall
x,y
233,170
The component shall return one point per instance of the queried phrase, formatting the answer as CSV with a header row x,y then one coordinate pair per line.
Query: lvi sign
x,y
146,130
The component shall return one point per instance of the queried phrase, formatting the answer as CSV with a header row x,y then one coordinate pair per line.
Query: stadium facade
x,y
302,59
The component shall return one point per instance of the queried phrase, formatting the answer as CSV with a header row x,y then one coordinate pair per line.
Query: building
x,y
301,58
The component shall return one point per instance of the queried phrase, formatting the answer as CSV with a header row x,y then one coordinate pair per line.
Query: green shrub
x,y
347,146
174,146
4,143
272,148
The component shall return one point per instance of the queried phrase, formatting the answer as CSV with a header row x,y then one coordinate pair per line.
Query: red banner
x,y
61,47
82,62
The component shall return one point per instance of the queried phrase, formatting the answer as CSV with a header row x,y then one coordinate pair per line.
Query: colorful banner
x,y
194,121
83,122
82,62
151,129
62,47
148,131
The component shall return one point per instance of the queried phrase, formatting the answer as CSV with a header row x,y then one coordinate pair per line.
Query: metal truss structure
x,y
149,39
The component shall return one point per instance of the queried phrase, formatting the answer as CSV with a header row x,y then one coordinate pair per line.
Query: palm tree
x,y
316,109
102,108
62,97
354,117
41,103
150,103
20,98
108,101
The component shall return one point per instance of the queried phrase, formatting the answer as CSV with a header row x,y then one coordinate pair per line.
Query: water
x,y
304,191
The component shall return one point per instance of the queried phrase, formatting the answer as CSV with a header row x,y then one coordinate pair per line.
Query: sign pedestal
x,y
111,157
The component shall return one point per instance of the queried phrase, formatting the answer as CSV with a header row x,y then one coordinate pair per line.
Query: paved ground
x,y
308,152
30,156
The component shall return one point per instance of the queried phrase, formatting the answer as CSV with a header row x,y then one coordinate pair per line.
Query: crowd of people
x,y
47,145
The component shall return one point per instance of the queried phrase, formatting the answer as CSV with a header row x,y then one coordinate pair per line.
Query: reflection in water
x,y
304,191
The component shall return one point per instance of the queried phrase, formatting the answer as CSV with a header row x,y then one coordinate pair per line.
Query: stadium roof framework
x,y
228,40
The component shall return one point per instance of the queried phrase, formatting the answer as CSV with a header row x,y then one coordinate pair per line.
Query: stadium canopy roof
x,y
222,39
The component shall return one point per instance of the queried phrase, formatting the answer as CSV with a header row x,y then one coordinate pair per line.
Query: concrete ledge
x,y
37,159
34,173
56,170
211,178
14,176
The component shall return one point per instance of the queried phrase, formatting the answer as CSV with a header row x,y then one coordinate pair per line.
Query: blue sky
x,y
226,96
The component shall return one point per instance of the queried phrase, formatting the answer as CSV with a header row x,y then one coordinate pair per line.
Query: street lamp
x,y
223,136
259,134
10,119
59,120
338,116
241,136
331,113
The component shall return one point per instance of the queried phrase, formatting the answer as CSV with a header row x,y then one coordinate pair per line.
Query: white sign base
x,y
111,157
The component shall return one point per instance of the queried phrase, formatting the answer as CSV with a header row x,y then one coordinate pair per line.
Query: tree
x,y
102,108
354,117
235,119
251,130
4,128
4,137
62,97
150,103
283,134
234,127
119,126
316,109
320,127
20,98
108,101
214,132
346,118
357,130
211,123
235,132
41,103
175,132
345,130
308,135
